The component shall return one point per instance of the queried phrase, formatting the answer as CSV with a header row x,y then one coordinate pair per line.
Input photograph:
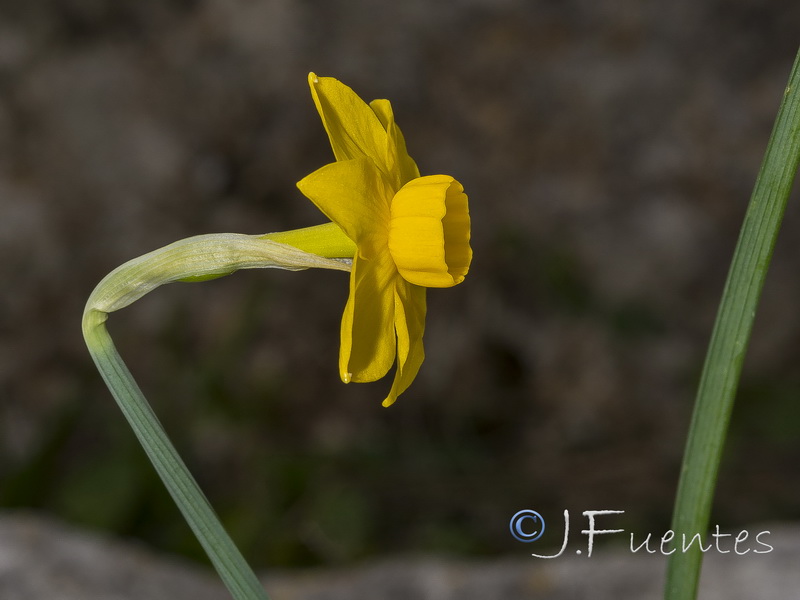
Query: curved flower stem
x,y
729,340
194,259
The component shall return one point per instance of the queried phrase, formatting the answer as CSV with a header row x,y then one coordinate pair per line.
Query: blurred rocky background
x,y
608,149
43,559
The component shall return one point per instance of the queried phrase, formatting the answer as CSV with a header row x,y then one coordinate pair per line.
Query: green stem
x,y
729,340
226,558
193,259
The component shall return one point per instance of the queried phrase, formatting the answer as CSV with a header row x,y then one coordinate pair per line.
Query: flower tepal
x,y
410,232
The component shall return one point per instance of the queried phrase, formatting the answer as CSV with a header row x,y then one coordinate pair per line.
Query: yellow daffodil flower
x,y
397,233
410,233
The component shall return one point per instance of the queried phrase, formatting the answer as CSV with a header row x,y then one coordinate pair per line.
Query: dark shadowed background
x,y
608,149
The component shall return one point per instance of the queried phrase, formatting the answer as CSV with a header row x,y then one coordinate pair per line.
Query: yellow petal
x,y
430,230
353,127
368,337
354,195
397,156
410,307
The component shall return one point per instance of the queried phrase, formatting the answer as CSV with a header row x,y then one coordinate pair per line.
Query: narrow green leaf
x,y
729,340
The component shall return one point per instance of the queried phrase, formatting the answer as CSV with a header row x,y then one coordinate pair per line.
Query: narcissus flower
x,y
398,234
410,233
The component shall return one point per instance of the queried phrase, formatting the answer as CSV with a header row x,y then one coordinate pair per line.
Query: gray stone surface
x,y
41,559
